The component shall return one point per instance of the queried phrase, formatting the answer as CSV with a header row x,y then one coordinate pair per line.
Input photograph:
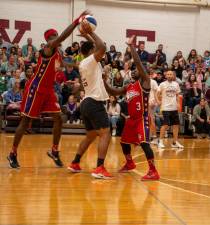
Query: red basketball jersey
x,y
136,129
137,100
39,95
44,76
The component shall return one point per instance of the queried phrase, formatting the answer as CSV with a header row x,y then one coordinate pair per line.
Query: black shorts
x,y
170,118
94,114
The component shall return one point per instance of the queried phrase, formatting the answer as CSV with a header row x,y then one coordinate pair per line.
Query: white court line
x,y
174,187
10,136
171,159
186,182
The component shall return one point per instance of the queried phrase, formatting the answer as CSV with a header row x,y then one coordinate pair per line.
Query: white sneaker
x,y
177,145
154,141
161,145
114,132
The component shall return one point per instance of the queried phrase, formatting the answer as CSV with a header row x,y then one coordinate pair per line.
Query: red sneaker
x,y
101,173
129,165
151,175
74,167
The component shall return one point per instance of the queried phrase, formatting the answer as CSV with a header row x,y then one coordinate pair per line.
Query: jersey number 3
x,y
138,106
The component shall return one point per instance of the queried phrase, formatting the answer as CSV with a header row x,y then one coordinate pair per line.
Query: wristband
x,y
77,21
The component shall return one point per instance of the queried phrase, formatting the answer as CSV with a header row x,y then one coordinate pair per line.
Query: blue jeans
x,y
113,120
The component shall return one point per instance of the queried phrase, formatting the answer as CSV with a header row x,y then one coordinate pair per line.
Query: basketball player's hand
x,y
131,40
86,12
86,28
83,14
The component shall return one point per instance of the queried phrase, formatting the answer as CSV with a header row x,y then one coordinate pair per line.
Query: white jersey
x,y
153,90
169,91
91,75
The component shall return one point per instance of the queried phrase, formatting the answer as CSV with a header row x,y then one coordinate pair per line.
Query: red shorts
x,y
135,131
36,102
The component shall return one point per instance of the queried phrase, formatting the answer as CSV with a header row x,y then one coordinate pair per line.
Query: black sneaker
x,y
12,158
56,158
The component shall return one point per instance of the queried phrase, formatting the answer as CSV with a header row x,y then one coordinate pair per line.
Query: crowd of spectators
x,y
192,72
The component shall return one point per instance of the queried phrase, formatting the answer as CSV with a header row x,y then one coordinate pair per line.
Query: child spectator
x,y
72,110
113,110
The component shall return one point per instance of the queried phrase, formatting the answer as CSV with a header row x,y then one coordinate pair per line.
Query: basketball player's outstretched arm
x,y
142,72
56,42
111,90
100,47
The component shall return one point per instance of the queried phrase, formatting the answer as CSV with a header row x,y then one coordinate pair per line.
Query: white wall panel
x,y
42,15
178,28
175,27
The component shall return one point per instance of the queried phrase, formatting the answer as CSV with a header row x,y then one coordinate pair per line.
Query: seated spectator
x,y
126,73
178,69
30,54
15,77
207,78
72,111
113,110
20,55
163,55
159,78
60,80
26,48
193,93
6,52
117,80
179,56
199,77
13,99
144,55
81,96
72,79
192,64
192,55
3,83
9,65
13,51
111,54
201,118
127,54
186,73
3,57
206,59
72,51
199,63
152,72
159,60
34,59
78,58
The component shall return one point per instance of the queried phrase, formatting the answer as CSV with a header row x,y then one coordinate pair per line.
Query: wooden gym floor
x,y
41,194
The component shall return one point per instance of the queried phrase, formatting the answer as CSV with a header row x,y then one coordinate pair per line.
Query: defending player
x,y
136,129
39,95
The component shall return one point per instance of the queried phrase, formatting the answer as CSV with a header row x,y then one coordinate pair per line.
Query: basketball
x,y
91,20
